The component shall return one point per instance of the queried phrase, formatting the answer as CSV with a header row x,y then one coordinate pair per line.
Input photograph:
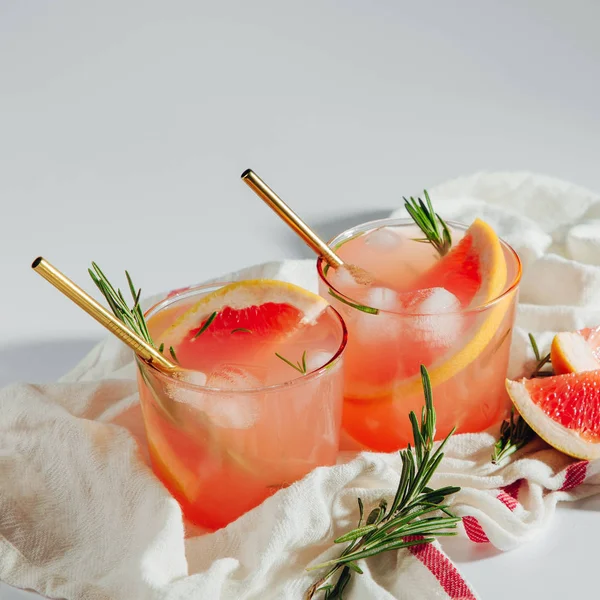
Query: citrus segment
x,y
249,316
563,410
474,269
576,351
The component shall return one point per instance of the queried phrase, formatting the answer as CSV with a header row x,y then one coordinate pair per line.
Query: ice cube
x,y
236,377
437,320
194,377
376,330
383,298
315,359
438,331
345,281
384,237
432,301
182,393
227,408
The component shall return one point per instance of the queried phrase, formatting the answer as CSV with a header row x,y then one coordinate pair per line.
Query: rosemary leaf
x,y
361,307
298,366
173,355
515,432
206,325
434,228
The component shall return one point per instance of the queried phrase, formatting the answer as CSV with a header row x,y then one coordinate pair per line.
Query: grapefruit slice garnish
x,y
475,267
267,309
563,410
475,272
576,351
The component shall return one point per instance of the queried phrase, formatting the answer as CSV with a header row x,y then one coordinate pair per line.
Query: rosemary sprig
x,y
412,518
430,223
515,432
300,365
132,317
361,307
542,360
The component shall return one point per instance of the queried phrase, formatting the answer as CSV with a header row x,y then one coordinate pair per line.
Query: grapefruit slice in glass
x,y
475,272
563,410
576,351
268,309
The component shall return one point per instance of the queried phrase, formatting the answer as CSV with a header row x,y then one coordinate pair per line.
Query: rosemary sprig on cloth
x,y
515,432
416,515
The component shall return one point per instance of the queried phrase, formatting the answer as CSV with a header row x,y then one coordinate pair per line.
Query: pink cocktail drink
x,y
454,314
261,407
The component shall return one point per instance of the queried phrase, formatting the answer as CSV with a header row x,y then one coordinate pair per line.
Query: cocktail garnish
x,y
173,355
410,519
206,325
515,432
300,365
541,360
361,307
131,317
430,223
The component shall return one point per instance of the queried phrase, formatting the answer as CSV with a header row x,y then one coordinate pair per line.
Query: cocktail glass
x,y
466,350
221,452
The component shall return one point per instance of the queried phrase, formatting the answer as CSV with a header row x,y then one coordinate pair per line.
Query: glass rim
x,y
394,221
193,290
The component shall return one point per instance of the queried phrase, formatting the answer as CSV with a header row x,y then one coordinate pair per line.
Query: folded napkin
x,y
83,518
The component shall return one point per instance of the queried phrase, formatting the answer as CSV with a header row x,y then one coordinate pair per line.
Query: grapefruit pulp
x,y
563,410
251,316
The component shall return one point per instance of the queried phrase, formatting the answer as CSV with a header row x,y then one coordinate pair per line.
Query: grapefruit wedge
x,y
563,410
475,272
474,269
271,310
576,351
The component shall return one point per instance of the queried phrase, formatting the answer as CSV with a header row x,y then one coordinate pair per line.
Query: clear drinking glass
x,y
465,350
221,452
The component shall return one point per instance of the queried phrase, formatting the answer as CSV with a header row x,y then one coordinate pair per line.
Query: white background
x,y
124,127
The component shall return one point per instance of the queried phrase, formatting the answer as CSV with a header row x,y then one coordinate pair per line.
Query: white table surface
x,y
124,127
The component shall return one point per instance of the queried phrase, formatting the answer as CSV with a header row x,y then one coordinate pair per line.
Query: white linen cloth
x,y
83,518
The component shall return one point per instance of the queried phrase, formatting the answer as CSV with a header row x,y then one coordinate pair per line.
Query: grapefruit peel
x,y
576,351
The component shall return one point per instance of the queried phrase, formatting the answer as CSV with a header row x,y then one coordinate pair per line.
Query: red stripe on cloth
x,y
574,475
474,530
443,570
509,495
512,489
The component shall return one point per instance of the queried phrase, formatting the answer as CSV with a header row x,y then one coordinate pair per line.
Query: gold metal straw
x,y
291,218
62,283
